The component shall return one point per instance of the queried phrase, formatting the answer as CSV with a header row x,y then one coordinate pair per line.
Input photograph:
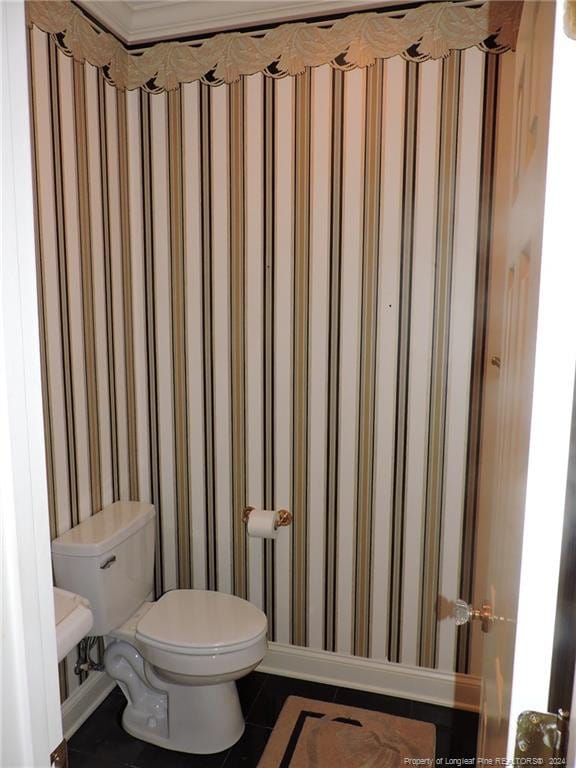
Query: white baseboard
x,y
79,706
446,689
429,685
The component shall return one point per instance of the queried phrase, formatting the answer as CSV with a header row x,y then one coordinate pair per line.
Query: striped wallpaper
x,y
263,293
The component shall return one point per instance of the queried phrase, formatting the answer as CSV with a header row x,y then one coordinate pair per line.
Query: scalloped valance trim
x,y
429,31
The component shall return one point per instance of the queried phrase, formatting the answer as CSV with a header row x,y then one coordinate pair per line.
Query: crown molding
x,y
155,20
428,31
116,17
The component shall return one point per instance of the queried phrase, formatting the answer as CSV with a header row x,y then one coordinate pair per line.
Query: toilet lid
x,y
198,619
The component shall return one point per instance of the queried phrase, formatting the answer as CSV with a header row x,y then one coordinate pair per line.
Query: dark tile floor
x,y
102,743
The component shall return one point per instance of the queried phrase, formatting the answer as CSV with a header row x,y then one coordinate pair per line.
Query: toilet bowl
x,y
176,659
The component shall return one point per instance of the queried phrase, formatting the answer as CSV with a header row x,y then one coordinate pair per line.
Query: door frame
x,y
31,722
564,655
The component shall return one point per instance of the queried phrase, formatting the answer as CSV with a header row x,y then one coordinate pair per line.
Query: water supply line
x,y
84,662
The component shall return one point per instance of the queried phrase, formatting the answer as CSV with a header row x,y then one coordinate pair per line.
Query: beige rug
x,y
317,734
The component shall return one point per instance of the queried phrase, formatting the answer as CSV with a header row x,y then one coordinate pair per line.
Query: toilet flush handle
x,y
108,563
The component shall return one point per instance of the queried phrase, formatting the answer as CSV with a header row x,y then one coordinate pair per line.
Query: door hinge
x,y
542,735
59,758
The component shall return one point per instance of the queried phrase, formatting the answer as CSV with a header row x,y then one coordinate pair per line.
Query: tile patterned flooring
x,y
102,743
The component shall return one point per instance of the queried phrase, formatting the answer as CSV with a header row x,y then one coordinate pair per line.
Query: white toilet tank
x,y
109,559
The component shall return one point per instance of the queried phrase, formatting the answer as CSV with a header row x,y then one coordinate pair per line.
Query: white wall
x,y
30,712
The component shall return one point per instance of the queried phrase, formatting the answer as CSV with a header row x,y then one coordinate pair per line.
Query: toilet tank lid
x,y
104,530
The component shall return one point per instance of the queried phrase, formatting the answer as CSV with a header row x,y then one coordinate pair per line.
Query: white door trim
x,y
30,709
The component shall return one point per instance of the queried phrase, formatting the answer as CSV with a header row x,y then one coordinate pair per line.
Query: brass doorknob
x,y
463,613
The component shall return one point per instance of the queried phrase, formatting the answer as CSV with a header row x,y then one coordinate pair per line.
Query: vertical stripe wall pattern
x,y
263,294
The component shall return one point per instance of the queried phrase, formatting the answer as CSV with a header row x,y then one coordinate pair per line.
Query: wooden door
x,y
522,133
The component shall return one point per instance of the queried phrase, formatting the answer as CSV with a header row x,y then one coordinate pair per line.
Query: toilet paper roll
x,y
261,523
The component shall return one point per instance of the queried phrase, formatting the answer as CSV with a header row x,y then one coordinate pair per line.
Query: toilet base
x,y
202,719
186,713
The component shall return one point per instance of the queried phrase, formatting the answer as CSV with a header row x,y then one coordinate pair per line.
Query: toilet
x,y
176,659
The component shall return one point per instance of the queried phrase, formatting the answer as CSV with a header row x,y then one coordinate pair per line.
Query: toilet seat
x,y
201,622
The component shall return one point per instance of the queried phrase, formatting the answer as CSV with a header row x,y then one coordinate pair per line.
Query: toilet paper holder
x,y
284,517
